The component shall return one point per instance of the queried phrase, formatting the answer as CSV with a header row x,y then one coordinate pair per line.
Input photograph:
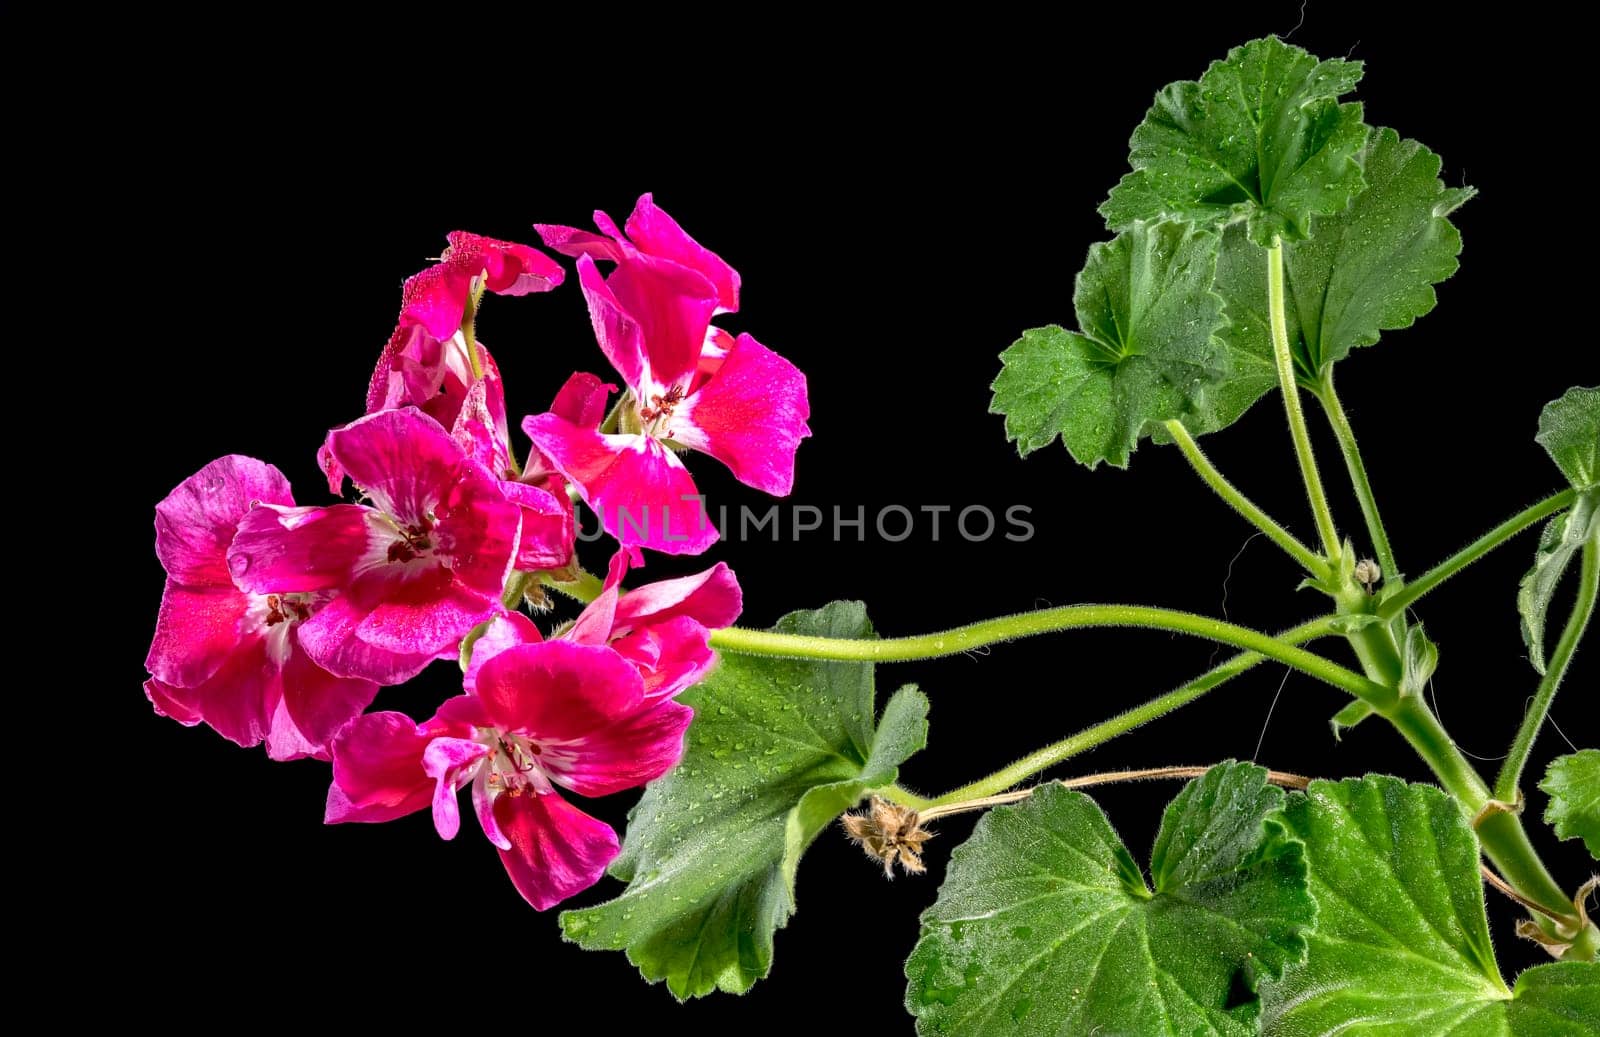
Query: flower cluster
x,y
279,622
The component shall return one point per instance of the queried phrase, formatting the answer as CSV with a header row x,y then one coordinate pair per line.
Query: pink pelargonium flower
x,y
691,385
415,571
663,628
542,715
230,658
425,363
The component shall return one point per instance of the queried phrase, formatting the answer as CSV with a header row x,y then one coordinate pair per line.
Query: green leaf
x,y
1573,783
779,748
1569,428
1559,544
1418,661
1349,717
1044,924
1401,946
1366,270
1145,352
1261,137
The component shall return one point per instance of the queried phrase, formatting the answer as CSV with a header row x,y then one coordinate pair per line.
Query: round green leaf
x,y
1044,924
1573,782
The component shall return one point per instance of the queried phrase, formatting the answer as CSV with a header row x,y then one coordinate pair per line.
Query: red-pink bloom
x,y
692,385
425,363
229,658
415,571
542,715
663,627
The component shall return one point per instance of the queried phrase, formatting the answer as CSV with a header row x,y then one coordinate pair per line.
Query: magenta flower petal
x,y
641,491
570,241
285,550
750,416
639,747
451,763
377,769
167,701
195,522
556,849
506,630
670,656
669,307
713,598
332,639
582,399
508,268
428,617
557,690
616,331
314,706
548,529
236,700
658,234
403,459
197,630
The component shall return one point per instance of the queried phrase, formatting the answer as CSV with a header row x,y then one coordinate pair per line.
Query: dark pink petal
x,y
479,531
480,425
403,459
671,656
594,624
461,713
671,306
167,701
195,522
425,625
558,690
196,630
237,700
751,416
556,849
377,769
617,332
315,702
451,763
483,806
712,597
506,630
436,298
282,550
582,399
548,531
639,748
285,741
653,231
570,241
508,268
331,638
639,488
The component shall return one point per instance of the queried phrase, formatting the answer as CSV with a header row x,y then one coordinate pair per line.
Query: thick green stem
x,y
1397,602
1309,559
1044,621
1106,730
1291,402
1358,476
1506,787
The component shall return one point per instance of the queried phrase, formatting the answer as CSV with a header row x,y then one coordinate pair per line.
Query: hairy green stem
x,y
1122,723
1309,559
469,324
1358,476
1291,402
1397,602
585,587
1506,787
1044,621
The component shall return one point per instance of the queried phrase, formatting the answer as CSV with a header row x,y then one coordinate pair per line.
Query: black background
x,y
902,200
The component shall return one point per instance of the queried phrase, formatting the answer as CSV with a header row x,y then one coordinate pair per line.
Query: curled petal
x,y
506,630
652,230
450,762
196,521
712,598
556,849
377,769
